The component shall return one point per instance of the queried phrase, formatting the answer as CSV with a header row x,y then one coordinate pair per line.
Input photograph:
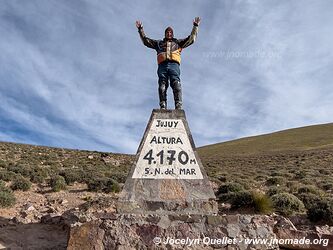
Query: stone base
x,y
163,207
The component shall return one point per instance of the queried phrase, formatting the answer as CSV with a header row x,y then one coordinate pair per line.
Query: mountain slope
x,y
304,138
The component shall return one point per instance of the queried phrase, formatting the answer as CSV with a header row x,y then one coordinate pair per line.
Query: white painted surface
x,y
167,153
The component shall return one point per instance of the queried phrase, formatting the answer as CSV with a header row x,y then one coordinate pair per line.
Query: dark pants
x,y
169,71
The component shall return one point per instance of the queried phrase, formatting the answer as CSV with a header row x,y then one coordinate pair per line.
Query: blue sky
x,y
75,74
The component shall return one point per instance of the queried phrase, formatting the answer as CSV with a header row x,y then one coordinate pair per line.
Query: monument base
x,y
167,176
203,207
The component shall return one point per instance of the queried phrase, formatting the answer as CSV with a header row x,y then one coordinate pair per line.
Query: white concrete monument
x,y
167,176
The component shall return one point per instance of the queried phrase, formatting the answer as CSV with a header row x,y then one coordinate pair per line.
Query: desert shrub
x,y
7,175
324,171
321,210
20,183
308,199
119,176
277,180
308,181
3,164
73,175
7,198
287,204
309,189
260,177
300,175
37,178
112,186
276,190
240,199
91,173
247,199
57,183
326,185
222,178
293,186
103,184
276,173
24,170
3,186
54,170
38,175
230,187
262,203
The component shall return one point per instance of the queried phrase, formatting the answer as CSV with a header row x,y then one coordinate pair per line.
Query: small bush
x,y
103,184
287,204
3,186
300,175
24,170
21,183
308,199
276,190
7,175
260,177
241,199
222,178
90,174
293,186
119,176
38,175
321,210
112,186
3,164
262,203
72,175
230,187
57,183
7,198
277,180
309,189
324,185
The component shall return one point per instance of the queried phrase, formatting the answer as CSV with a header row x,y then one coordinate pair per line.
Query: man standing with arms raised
x,y
168,59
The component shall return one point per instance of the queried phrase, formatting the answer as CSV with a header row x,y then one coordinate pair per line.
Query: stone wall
x,y
114,231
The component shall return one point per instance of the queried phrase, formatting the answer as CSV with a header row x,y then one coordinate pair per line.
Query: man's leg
x,y
162,85
174,73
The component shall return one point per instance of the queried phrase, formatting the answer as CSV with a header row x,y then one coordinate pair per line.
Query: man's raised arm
x,y
183,43
150,43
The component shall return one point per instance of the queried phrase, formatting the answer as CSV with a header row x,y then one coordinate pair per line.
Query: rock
x,y
28,207
51,210
63,201
214,220
90,157
323,229
245,219
51,219
231,219
233,230
263,232
86,236
164,222
285,223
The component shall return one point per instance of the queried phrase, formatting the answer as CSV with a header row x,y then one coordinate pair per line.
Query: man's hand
x,y
196,21
138,24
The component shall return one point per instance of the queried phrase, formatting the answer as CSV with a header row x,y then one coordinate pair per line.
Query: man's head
x,y
168,33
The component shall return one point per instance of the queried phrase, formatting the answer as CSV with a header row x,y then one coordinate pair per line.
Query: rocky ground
x,y
34,221
78,219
